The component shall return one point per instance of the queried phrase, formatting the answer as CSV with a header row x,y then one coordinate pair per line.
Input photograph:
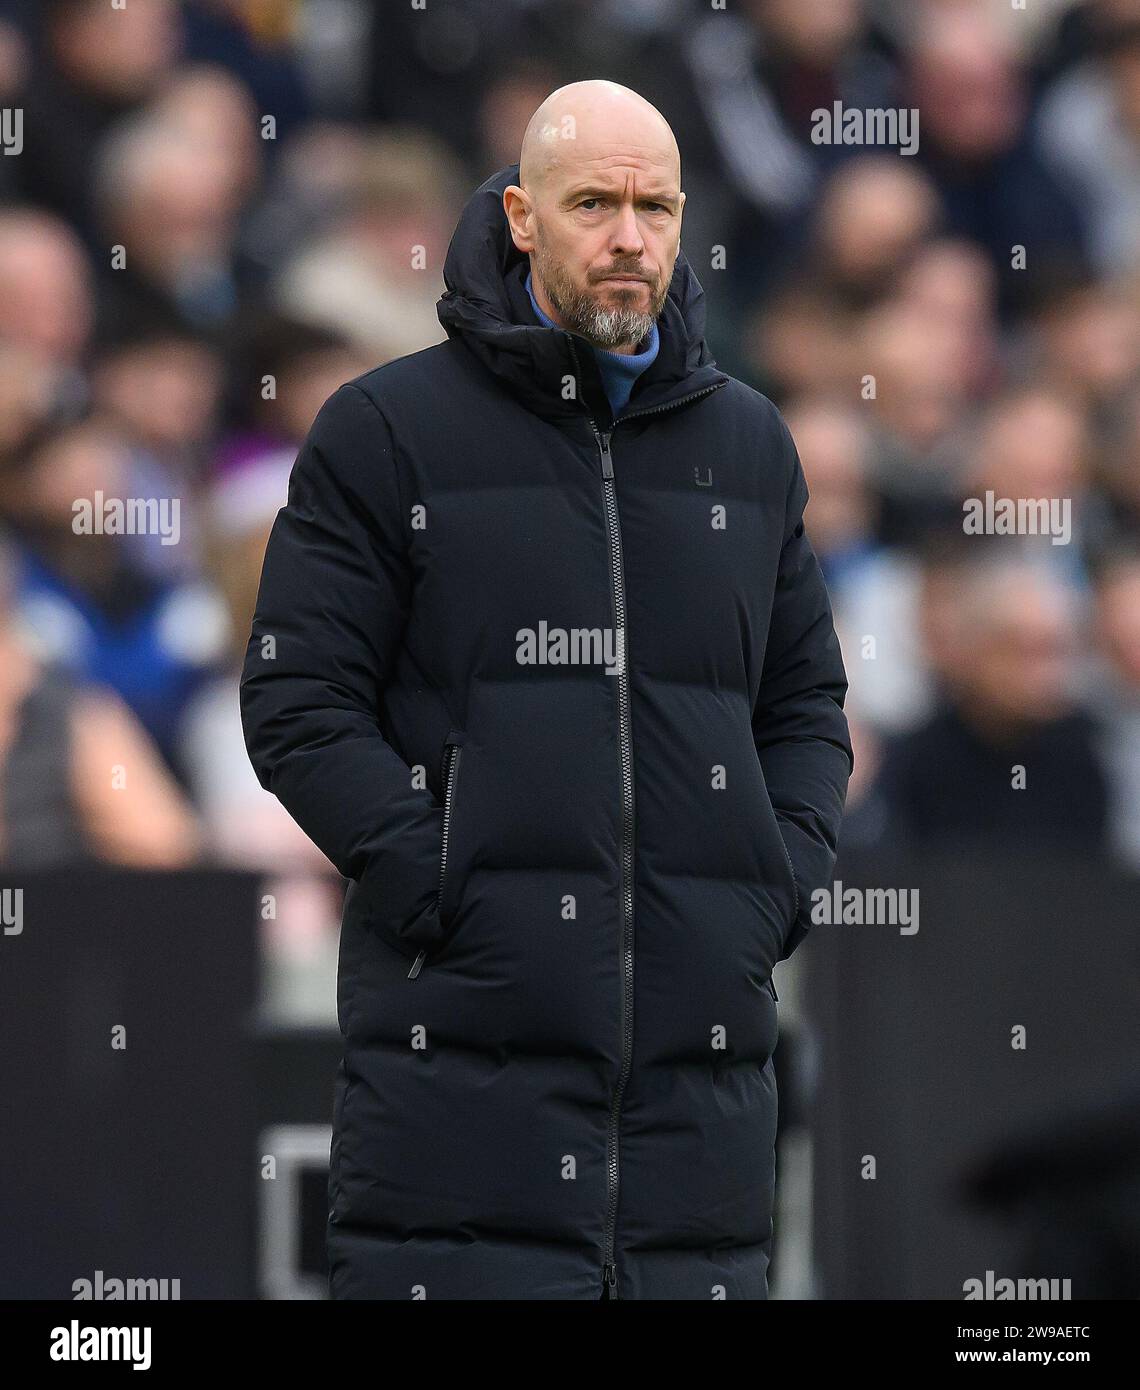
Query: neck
x,y
624,350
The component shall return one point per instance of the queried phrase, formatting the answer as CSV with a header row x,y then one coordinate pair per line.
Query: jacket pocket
x,y
449,780
785,858
791,873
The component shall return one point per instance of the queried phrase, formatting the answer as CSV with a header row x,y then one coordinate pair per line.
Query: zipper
x,y
451,755
792,872
625,749
672,405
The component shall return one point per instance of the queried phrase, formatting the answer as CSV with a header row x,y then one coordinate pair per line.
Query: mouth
x,y
624,280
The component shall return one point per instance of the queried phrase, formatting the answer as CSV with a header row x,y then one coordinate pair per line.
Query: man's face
x,y
605,234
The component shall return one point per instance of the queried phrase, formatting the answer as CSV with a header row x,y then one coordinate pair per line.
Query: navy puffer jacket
x,y
563,698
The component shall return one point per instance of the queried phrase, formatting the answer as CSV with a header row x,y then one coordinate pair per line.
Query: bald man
x,y
543,661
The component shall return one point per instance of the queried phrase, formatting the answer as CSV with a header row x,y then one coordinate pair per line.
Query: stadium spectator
x,y
1115,695
82,586
79,780
1009,759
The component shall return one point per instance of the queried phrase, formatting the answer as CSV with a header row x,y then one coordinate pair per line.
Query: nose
x,y
626,239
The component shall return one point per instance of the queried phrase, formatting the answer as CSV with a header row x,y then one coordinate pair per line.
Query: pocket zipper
x,y
452,754
792,872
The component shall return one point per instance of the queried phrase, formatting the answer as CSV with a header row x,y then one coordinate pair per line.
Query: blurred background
x,y
208,211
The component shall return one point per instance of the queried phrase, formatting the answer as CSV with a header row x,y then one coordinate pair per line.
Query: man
x,y
543,661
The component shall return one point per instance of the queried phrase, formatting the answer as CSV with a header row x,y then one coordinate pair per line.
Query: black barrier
x,y
992,1161
924,1074
128,1133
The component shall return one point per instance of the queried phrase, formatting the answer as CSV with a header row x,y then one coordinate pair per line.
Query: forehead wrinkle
x,y
611,174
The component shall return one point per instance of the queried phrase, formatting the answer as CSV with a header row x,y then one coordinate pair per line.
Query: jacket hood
x,y
487,307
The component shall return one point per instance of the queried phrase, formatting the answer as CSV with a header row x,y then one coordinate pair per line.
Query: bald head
x,y
588,118
598,210
45,285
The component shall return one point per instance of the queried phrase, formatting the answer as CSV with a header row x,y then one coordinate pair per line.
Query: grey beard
x,y
607,328
604,328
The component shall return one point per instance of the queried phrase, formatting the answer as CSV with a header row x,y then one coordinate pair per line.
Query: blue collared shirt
x,y
618,370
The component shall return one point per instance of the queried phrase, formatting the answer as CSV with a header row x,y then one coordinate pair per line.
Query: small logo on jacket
x,y
576,646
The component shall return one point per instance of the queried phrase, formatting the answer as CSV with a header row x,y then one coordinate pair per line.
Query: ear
x,y
517,206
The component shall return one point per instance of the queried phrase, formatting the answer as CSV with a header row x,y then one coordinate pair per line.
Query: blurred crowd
x,y
220,210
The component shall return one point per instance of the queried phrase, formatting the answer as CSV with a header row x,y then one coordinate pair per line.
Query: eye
x,y
584,201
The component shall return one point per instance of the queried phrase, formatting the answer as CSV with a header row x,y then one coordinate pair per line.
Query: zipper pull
x,y
417,965
609,1279
607,459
